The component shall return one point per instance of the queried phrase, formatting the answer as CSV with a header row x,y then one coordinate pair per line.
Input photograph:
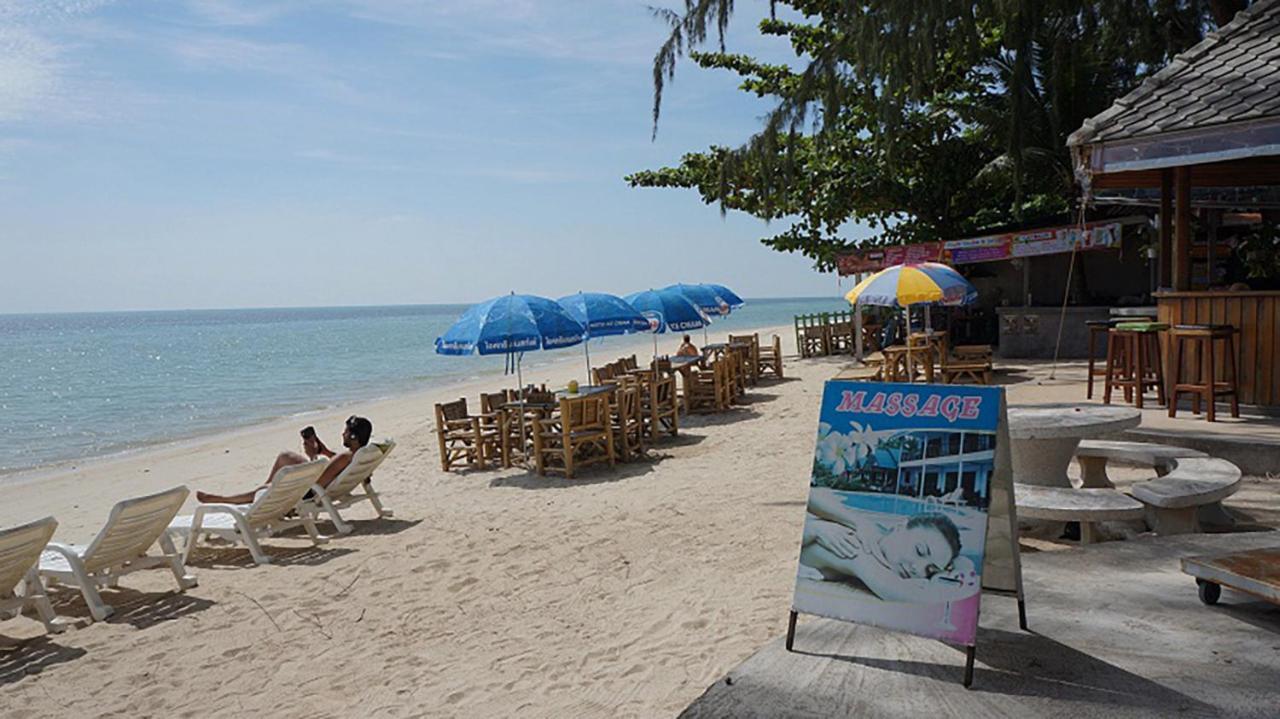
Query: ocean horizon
x,y
80,385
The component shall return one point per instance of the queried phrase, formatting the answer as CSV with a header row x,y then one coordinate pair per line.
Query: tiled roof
x,y
1232,75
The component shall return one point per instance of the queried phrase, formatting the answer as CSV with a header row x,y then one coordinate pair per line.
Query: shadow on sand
x,y
32,657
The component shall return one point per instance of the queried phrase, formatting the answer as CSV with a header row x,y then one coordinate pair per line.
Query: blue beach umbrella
x,y
511,324
728,295
602,314
706,299
703,297
667,309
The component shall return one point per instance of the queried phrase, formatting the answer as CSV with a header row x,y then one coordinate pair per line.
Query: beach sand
x,y
492,593
622,593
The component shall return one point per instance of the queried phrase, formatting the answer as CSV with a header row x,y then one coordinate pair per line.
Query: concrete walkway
x,y
1117,631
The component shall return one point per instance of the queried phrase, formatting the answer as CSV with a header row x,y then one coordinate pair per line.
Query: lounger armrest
x,y
204,509
65,550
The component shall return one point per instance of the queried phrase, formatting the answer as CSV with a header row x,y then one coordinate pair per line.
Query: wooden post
x,y
1182,230
1165,278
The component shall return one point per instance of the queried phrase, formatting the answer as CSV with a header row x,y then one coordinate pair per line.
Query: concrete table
x,y
1045,437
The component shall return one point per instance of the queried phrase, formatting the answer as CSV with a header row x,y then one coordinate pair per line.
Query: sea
x,y
80,385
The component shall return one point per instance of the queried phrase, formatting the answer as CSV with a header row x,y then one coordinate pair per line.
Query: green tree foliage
x,y
926,120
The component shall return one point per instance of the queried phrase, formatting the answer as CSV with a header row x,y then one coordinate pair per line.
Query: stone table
x,y
1045,437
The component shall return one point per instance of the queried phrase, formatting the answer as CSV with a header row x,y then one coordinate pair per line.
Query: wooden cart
x,y
1255,572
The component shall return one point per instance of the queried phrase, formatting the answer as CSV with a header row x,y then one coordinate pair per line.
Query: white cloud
x,y
232,13
28,71
32,68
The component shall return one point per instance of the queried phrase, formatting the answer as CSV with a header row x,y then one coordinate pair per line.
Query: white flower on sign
x,y
837,452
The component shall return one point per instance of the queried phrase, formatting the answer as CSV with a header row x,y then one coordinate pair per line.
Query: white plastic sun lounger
x,y
248,523
341,494
119,549
20,584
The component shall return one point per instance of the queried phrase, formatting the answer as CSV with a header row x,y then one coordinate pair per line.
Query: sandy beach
x,y
497,593
490,593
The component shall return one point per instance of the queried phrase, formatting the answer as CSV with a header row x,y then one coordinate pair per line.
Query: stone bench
x,y
1086,506
1193,486
1093,454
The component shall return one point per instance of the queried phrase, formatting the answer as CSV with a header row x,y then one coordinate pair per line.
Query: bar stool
x,y
1205,384
1096,328
1133,361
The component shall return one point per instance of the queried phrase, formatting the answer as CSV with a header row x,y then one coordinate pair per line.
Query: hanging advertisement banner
x,y
912,254
977,249
990,248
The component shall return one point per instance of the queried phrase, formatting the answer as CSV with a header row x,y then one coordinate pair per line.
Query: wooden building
x,y
1202,138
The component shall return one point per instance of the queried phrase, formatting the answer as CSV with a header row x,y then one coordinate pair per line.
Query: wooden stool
x,y
1096,328
1133,361
1205,384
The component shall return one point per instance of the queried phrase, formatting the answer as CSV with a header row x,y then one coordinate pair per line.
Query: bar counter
x,y
1257,317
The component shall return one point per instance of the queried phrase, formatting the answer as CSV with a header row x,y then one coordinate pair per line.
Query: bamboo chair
x,y
967,364
753,355
770,359
494,419
601,375
628,422
709,389
464,441
659,405
582,435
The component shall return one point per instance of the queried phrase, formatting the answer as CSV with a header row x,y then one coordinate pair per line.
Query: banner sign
x,y
978,249
861,262
1030,243
896,522
913,254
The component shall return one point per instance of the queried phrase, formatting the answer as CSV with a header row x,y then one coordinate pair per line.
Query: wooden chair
x,y
967,364
770,359
601,375
463,439
582,435
494,418
709,389
630,362
753,355
628,422
659,406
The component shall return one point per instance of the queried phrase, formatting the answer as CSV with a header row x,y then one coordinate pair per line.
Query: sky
x,y
168,154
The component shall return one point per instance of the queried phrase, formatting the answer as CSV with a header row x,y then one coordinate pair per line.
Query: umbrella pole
x,y
705,339
655,346
857,331
524,413
911,367
586,348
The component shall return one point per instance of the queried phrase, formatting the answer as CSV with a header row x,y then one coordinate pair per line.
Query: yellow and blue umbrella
x,y
906,285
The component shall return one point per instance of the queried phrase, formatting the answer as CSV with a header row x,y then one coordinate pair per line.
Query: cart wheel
x,y
1209,591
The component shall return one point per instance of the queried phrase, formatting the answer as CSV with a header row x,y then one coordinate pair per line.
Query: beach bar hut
x,y
1201,139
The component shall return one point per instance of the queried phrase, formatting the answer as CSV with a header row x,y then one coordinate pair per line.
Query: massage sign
x,y
907,482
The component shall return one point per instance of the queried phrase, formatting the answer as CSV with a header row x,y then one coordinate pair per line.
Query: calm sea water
x,y
83,385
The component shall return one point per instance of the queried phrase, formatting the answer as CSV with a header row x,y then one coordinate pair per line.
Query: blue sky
x,y
243,153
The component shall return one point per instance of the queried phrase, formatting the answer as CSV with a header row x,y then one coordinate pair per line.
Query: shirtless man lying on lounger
x,y
355,435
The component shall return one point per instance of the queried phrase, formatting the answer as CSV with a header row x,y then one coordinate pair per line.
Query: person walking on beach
x,y
355,434
687,349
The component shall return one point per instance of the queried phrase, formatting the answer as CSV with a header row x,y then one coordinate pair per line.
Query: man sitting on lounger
x,y
687,349
355,435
